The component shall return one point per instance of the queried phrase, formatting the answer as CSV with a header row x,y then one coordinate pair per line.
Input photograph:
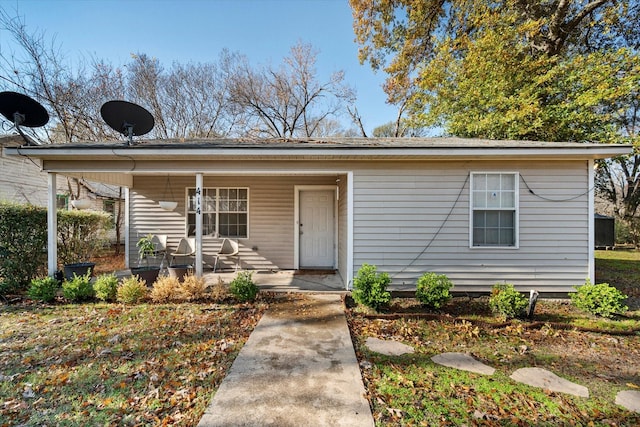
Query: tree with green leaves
x,y
552,70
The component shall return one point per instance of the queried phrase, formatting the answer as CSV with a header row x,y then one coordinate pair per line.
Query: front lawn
x,y
603,355
152,364
110,364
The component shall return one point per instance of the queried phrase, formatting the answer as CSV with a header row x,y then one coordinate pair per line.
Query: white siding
x,y
399,208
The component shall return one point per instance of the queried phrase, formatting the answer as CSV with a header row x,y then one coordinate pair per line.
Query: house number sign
x,y
198,200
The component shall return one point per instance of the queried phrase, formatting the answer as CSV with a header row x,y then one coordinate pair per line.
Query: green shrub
x,y
624,233
243,288
78,289
132,290
23,245
370,287
43,289
432,290
601,299
506,301
81,234
106,287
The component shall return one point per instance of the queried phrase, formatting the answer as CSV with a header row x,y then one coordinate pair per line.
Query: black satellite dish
x,y
127,118
23,111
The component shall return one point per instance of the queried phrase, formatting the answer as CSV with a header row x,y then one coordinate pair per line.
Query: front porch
x,y
286,280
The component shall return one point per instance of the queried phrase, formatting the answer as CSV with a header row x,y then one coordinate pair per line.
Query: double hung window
x,y
225,212
494,209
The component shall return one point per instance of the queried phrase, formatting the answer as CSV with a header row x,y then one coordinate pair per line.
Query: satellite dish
x,y
23,111
127,118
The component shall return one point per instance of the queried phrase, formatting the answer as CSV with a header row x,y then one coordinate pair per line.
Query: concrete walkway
x,y
297,368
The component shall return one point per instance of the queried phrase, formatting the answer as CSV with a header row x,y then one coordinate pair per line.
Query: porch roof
x,y
449,148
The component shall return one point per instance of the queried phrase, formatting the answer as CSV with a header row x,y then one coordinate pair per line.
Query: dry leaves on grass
x,y
412,390
116,365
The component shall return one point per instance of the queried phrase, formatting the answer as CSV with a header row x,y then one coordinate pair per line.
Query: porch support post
x,y
349,278
127,228
591,213
52,224
199,184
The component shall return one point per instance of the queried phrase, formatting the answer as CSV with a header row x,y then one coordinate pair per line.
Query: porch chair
x,y
186,248
229,248
160,242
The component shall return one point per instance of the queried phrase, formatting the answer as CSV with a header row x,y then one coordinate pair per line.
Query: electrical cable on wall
x,y
433,238
29,158
113,151
554,200
446,219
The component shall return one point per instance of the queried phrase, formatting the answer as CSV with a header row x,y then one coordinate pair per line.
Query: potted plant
x,y
146,249
80,235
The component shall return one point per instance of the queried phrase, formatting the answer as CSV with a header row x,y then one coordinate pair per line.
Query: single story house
x,y
479,211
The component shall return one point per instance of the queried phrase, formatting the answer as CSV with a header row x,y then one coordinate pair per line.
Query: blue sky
x,y
197,30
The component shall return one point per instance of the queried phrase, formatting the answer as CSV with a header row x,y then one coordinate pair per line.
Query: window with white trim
x,y
62,201
225,212
494,209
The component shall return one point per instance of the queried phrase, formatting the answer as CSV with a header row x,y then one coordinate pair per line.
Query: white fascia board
x,y
592,151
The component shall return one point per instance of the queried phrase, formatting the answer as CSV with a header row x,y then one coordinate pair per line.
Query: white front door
x,y
317,229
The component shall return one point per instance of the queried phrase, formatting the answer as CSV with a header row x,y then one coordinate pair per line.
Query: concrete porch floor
x,y
285,280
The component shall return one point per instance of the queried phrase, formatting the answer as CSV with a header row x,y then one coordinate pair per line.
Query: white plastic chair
x,y
186,248
229,248
160,242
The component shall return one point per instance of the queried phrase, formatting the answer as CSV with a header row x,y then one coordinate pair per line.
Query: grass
x,y
116,365
413,390
620,268
151,364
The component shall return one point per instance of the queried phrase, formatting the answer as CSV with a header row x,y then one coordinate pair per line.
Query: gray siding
x,y
409,218
271,216
399,209
342,226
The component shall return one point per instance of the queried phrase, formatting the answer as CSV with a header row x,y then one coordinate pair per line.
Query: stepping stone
x,y
538,377
388,347
463,362
629,399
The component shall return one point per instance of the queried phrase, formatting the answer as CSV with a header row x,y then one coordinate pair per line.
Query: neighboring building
x,y
23,181
479,211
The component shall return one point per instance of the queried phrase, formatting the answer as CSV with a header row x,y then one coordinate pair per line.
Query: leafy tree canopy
x,y
521,69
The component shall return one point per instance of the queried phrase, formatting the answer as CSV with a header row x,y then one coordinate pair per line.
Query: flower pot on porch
x,y
148,274
79,269
180,270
